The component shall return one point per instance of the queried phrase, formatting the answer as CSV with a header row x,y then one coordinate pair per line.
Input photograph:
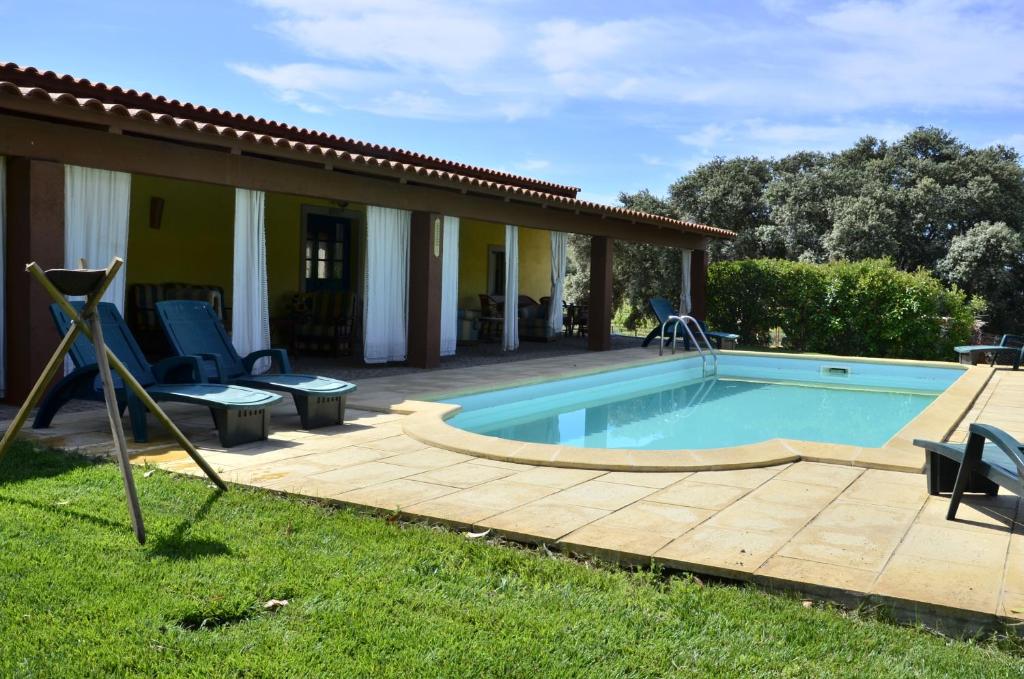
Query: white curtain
x,y
250,310
685,305
511,335
386,295
559,247
3,276
96,222
450,286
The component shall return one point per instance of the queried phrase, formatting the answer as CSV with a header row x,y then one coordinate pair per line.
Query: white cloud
x,y
839,70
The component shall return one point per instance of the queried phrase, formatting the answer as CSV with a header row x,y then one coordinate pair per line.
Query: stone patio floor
x,y
837,532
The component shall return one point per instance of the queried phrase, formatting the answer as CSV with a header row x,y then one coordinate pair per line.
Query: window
x,y
326,252
496,270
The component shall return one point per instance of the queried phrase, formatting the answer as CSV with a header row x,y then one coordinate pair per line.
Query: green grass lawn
x,y
372,597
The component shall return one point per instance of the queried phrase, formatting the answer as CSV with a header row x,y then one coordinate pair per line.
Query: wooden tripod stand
x,y
93,283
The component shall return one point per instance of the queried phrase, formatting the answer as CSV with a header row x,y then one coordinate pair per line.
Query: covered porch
x,y
256,217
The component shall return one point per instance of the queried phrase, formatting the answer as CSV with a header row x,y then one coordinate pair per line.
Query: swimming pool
x,y
670,405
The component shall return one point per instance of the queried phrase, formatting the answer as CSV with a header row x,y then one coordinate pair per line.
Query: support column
x,y
35,232
698,283
599,323
425,243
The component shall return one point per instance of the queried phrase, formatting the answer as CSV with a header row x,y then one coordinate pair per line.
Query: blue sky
x,y
609,96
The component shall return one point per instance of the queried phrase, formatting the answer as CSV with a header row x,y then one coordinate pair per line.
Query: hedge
x,y
864,308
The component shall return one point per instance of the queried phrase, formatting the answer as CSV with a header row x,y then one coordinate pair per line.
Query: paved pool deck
x,y
841,532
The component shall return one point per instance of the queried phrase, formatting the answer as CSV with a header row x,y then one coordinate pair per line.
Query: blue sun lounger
x,y
242,415
1010,346
193,328
991,458
663,309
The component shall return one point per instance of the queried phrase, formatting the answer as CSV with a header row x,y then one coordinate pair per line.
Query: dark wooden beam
x,y
599,321
425,245
698,283
46,140
35,232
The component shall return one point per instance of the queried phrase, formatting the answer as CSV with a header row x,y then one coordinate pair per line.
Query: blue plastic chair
x,y
662,309
1011,346
241,414
193,328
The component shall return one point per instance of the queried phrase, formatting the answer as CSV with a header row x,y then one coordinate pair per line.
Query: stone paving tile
x,y
600,495
791,493
816,473
513,466
430,458
700,495
740,478
471,505
464,475
955,546
764,517
555,477
397,444
646,479
814,576
345,457
618,545
545,519
912,578
976,512
670,521
870,489
396,494
851,535
721,551
362,475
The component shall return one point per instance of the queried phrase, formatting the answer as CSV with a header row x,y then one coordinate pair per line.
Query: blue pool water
x,y
669,406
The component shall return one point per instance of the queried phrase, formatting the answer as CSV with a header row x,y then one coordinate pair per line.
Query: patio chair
x,y
662,309
193,328
241,415
991,458
1010,347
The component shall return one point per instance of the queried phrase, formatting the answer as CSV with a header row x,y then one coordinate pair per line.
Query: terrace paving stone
x,y
397,444
699,495
646,479
812,496
758,515
869,490
430,458
815,577
469,506
545,519
600,495
819,474
721,551
395,495
362,475
555,477
849,535
669,521
931,583
464,475
955,546
618,545
739,478
977,513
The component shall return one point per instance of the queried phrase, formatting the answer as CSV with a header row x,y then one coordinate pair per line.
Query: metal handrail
x,y
685,322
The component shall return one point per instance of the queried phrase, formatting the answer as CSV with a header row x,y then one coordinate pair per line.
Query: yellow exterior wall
x,y
475,239
194,242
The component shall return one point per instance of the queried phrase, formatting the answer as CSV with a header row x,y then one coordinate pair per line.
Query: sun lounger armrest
x,y
165,369
220,375
276,354
1011,338
1005,442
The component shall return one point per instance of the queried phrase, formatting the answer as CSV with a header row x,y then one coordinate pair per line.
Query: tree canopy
x,y
926,201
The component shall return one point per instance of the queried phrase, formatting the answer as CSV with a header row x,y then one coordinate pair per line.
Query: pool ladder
x,y
705,353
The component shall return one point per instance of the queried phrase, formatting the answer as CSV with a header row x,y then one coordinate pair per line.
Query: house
x,y
254,211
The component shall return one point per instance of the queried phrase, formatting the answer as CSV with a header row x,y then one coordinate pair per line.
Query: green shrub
x,y
864,308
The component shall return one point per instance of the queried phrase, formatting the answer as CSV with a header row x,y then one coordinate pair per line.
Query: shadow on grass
x,y
178,545
24,462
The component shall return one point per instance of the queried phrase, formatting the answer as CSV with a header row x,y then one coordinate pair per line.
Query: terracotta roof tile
x,y
307,142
